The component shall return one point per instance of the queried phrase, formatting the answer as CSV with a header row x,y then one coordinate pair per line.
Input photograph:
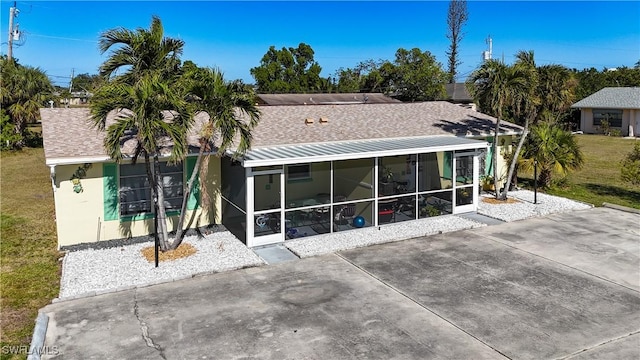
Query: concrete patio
x,y
563,286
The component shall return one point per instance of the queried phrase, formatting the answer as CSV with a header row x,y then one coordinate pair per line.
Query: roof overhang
x,y
76,160
349,150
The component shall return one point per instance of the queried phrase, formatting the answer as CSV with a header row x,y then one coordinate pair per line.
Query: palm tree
x,y
525,103
154,109
556,90
140,52
232,115
555,151
494,86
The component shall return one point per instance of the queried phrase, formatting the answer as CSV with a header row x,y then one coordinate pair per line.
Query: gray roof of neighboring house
x,y
325,99
458,93
612,98
67,133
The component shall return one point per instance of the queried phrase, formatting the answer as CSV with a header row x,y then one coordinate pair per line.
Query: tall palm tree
x,y
494,86
232,115
555,150
154,108
140,52
525,103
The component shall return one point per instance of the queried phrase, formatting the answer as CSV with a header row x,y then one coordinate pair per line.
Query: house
x,y
311,170
618,105
458,93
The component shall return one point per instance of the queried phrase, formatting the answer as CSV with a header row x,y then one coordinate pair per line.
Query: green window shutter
x,y
194,198
448,164
110,190
488,161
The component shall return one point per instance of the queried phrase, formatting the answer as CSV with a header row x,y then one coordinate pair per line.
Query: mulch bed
x,y
184,250
494,201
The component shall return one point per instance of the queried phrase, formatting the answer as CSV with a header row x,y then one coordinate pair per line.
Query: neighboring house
x,y
619,105
457,93
311,170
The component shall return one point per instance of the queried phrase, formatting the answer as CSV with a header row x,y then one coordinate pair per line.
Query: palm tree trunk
x,y
180,232
154,193
495,156
544,178
514,160
162,211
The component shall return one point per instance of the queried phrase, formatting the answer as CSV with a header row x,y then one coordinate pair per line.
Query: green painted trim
x,y
194,198
146,216
110,191
447,167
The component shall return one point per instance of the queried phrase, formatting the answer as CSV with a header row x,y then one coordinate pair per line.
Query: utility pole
x,y
488,54
12,13
71,80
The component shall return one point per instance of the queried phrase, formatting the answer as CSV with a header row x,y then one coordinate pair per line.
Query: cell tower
x,y
488,54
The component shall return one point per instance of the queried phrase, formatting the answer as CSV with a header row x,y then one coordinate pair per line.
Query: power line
x,y
63,38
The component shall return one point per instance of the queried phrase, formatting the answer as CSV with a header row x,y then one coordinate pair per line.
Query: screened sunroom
x,y
279,193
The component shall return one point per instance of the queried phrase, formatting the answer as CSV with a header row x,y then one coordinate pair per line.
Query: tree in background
x,y
145,89
556,90
630,170
417,76
368,76
289,70
591,80
86,82
456,18
23,91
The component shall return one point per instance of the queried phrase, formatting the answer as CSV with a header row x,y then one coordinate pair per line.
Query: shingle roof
x,y
281,125
612,98
67,133
325,99
458,92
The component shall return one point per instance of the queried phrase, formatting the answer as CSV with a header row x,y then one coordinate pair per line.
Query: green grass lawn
x,y
599,179
29,267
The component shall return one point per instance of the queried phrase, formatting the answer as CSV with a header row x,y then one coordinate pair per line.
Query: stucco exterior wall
x,y
586,121
630,122
80,217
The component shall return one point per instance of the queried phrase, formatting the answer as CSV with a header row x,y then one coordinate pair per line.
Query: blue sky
x,y
62,36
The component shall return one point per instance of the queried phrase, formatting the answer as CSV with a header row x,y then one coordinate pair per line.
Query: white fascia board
x,y
93,159
362,155
76,160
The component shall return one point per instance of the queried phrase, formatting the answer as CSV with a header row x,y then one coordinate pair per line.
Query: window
x,y
135,191
613,116
298,172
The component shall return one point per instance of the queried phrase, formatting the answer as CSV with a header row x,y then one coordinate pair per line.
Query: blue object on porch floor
x,y
481,218
274,254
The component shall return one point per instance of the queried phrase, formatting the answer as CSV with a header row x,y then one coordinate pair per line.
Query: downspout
x,y
52,175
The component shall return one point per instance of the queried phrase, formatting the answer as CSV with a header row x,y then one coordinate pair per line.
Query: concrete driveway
x,y
562,286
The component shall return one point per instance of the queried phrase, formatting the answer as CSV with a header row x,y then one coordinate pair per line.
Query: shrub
x,y
630,170
605,127
8,135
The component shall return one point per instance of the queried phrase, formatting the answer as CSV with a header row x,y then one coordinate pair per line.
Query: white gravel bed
x,y
329,243
89,272
86,272
525,208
